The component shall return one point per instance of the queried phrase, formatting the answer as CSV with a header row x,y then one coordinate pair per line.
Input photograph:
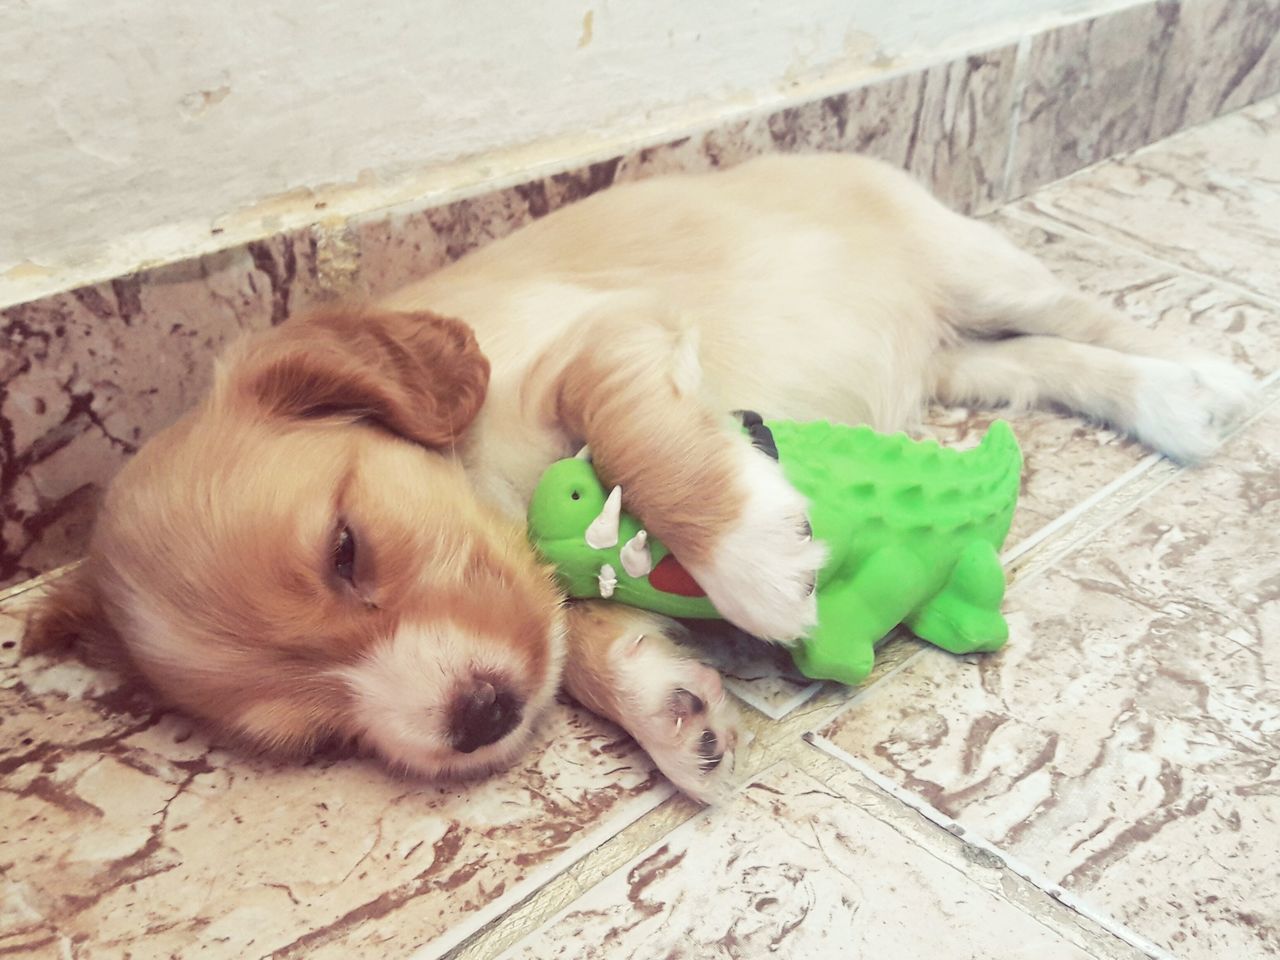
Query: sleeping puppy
x,y
331,544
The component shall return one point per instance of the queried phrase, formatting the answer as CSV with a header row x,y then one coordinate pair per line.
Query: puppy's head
x,y
301,558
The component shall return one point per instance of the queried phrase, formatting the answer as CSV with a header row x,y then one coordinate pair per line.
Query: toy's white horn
x,y
603,531
636,559
608,581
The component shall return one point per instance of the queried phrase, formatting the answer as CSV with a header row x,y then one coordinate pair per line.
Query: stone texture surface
x,y
127,832
87,376
1123,745
792,868
1121,80
948,125
1207,199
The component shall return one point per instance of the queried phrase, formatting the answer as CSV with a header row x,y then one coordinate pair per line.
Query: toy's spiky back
x,y
905,483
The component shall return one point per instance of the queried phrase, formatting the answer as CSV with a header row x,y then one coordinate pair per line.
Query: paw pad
x,y
685,704
709,750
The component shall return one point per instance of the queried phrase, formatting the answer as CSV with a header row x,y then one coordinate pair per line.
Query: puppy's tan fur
x,y
801,287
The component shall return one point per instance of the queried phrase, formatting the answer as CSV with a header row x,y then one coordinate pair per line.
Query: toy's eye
x,y
576,495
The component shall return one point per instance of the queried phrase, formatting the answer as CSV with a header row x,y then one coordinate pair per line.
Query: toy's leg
x,y
965,617
856,615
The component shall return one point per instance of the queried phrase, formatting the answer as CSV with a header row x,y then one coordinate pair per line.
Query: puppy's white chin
x,y
433,764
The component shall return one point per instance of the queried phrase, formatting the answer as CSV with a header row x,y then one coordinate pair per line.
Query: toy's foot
x,y
856,614
965,617
848,662
958,627
681,716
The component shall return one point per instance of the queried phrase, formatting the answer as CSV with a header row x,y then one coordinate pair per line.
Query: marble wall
x,y
88,374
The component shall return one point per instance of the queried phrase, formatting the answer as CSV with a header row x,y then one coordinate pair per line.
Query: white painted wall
x,y
130,127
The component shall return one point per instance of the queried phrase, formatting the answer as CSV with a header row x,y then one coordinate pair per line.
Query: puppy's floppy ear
x,y
71,613
417,374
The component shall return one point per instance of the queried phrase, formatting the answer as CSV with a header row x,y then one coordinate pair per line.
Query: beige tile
x,y
1208,200
1222,55
1123,744
125,830
1192,309
793,868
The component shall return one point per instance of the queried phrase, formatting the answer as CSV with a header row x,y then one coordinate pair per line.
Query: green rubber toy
x,y
913,532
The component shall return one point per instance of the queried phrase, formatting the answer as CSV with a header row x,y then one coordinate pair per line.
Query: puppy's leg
x,y
1169,405
623,665
724,509
1070,349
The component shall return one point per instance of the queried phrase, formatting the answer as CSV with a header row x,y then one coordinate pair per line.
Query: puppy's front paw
x,y
681,716
763,573
1184,408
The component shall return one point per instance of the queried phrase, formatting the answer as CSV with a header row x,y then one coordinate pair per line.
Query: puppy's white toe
x,y
764,570
1183,409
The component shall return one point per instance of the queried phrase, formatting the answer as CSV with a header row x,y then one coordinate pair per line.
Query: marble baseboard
x,y
1117,82
88,374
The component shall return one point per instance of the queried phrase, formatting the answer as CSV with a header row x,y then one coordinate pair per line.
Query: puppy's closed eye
x,y
344,555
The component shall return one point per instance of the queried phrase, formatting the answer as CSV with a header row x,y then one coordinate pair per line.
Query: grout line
x,y
1070,515
830,768
742,690
1047,221
1269,400
629,814
503,928
774,742
639,853
782,739
1105,920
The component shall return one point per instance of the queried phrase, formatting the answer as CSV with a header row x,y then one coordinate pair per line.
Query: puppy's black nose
x,y
482,715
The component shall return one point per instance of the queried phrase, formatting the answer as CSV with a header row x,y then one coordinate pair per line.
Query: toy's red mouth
x,y
669,577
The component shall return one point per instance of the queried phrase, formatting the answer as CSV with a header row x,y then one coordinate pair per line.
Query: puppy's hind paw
x,y
1183,409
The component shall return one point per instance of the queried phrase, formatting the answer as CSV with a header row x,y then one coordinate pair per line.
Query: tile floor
x,y
1106,787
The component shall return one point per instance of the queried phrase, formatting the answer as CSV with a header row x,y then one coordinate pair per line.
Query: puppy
x,y
331,544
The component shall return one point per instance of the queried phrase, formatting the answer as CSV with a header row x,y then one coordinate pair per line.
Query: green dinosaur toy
x,y
912,530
